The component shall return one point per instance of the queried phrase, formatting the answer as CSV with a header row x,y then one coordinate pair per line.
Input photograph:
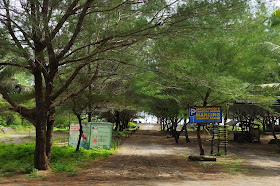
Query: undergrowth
x,y
19,159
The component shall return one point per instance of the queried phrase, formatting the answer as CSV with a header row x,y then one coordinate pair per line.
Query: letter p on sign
x,y
193,111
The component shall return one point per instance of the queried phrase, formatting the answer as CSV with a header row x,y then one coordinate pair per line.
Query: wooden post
x,y
219,139
225,139
213,135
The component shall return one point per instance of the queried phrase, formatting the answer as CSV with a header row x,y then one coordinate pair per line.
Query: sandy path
x,y
149,158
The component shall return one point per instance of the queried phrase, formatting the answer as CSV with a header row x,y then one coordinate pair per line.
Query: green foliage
x,y
275,18
117,133
62,167
33,174
132,125
19,158
27,169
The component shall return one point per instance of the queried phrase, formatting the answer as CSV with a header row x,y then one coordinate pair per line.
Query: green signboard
x,y
101,135
95,134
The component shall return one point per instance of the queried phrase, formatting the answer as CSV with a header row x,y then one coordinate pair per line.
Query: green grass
x,y
120,133
234,166
33,174
184,156
19,159
59,140
18,129
61,129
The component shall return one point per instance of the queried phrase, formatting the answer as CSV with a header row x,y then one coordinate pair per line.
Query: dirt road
x,y
150,158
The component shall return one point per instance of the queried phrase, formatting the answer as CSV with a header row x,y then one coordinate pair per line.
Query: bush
x,y
132,125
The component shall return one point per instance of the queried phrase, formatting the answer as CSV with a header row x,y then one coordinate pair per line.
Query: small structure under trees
x,y
249,116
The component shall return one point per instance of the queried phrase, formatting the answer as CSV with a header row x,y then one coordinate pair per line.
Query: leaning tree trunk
x,y
81,131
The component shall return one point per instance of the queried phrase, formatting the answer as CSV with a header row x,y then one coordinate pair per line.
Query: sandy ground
x,y
148,157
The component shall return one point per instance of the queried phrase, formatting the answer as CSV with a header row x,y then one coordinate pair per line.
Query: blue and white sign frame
x,y
205,114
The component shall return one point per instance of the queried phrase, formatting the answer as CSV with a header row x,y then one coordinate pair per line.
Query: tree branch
x,y
7,97
67,14
72,94
14,64
98,52
12,33
67,83
77,30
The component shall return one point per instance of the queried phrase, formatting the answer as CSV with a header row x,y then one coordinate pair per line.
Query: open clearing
x,y
148,157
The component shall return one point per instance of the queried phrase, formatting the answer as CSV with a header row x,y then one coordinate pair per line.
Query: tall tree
x,y
48,40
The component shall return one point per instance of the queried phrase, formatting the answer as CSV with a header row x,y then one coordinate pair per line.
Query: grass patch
x,y
72,174
19,158
61,140
66,129
120,134
33,174
234,166
82,165
9,174
184,156
19,129
219,154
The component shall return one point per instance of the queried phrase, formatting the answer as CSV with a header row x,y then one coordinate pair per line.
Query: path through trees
x,y
148,157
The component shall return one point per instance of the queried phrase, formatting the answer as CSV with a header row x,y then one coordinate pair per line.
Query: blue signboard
x,y
205,115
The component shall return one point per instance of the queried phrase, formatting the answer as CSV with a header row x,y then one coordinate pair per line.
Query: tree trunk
x,y
202,158
50,125
81,131
187,136
164,121
90,116
117,120
186,131
89,97
174,130
199,125
199,139
41,161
